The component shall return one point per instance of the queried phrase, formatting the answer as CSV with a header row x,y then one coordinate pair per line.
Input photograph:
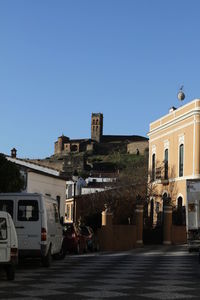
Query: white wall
x,y
44,184
100,179
92,190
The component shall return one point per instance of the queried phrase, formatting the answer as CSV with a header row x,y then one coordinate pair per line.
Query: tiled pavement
x,y
157,272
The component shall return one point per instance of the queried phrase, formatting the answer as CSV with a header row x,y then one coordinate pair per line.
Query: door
x,y
59,230
55,228
4,240
28,224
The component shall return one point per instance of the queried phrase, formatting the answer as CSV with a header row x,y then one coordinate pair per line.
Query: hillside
x,y
116,162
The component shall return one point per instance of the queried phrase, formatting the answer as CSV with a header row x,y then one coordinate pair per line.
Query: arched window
x,y
180,202
181,150
97,127
166,164
164,198
74,148
93,121
151,211
97,121
153,167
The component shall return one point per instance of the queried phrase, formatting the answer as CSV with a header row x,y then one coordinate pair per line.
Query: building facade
x,y
42,180
174,155
138,147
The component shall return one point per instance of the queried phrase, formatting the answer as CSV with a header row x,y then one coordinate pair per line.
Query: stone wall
x,y
141,146
122,238
65,164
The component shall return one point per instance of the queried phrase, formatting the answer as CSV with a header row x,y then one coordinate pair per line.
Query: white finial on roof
x,y
181,95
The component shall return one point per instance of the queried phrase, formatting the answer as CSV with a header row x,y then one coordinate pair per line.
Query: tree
x,y
130,186
10,177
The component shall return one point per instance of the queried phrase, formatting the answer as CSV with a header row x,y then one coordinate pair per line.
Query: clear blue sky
x,y
62,60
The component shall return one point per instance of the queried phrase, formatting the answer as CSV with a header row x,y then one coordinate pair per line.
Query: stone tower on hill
x,y
79,154
99,143
97,127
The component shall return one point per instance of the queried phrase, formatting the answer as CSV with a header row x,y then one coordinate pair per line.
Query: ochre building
x,y
174,155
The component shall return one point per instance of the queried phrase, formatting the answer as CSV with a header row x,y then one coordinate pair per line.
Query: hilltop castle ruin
x,y
98,143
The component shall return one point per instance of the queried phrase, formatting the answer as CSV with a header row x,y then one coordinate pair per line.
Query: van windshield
x,y
7,205
28,210
3,229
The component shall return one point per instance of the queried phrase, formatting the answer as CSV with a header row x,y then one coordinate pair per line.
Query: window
x,y
157,207
7,205
67,212
180,202
166,164
151,211
3,229
74,148
153,167
28,210
181,149
165,198
72,211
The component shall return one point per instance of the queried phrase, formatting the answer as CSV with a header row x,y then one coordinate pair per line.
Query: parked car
x,y
37,222
73,240
8,245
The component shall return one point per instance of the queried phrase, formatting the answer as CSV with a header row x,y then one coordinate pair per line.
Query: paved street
x,y
155,272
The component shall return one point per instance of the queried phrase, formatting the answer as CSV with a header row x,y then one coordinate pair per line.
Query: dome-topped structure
x,y
181,95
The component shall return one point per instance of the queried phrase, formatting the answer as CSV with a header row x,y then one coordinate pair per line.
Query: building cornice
x,y
184,178
176,110
193,112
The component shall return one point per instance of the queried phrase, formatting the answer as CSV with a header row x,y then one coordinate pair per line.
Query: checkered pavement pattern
x,y
148,273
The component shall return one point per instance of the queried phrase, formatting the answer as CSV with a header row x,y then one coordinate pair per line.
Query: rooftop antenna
x,y
181,95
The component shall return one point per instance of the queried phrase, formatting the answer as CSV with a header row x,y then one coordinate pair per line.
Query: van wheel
x,y
10,272
46,260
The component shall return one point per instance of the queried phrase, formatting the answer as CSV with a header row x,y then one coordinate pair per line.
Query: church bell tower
x,y
97,127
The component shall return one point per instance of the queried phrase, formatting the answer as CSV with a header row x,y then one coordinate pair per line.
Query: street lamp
x,y
74,179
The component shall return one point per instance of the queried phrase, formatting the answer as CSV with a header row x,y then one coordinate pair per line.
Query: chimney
x,y
13,153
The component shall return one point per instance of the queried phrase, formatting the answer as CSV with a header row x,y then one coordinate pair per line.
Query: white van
x,y
8,245
37,223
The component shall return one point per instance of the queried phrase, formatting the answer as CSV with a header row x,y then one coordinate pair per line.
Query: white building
x,y
43,180
90,185
98,179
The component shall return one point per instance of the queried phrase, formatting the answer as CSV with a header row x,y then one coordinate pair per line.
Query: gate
x,y
152,233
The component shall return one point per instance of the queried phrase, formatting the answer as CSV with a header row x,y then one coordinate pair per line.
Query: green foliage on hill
x,y
124,163
10,177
